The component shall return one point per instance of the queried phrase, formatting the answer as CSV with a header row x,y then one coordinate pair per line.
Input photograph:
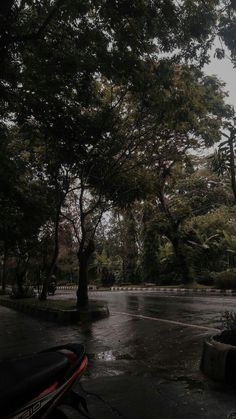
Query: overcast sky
x,y
224,70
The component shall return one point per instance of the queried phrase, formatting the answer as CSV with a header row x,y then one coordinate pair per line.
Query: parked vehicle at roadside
x,y
52,286
40,385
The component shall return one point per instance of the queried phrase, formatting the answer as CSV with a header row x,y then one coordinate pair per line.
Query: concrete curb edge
x,y
92,313
181,291
218,361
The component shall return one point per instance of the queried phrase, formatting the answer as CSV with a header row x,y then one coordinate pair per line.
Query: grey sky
x,y
224,70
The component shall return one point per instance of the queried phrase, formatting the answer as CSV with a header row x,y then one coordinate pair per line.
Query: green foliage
x,y
24,197
208,247
188,200
202,194
227,25
107,277
130,251
225,279
218,163
228,320
222,161
26,292
150,254
86,96
205,277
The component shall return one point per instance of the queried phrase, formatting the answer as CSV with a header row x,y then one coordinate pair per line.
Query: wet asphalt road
x,y
134,342
204,311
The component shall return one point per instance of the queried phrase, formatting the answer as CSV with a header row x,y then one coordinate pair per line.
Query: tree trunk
x,y
130,251
232,164
51,269
20,279
177,242
181,259
21,273
83,256
82,291
4,270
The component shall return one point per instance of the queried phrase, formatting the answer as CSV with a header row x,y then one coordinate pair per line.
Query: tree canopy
x,y
104,102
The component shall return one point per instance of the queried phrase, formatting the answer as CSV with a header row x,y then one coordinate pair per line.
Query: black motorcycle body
x,y
52,288
34,386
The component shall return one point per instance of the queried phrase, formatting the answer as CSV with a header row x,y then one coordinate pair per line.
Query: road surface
x,y
147,337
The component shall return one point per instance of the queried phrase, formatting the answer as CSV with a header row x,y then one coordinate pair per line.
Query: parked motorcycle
x,y
52,286
40,385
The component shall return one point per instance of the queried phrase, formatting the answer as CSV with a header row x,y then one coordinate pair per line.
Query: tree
x,y
210,237
86,46
151,244
60,181
130,251
226,29
24,205
222,161
83,210
189,121
109,241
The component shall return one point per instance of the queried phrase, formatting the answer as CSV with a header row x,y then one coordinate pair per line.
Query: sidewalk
x,y
130,387
129,397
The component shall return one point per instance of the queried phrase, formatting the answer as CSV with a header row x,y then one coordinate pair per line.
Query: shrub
x,y
205,278
171,278
26,292
107,278
225,279
228,320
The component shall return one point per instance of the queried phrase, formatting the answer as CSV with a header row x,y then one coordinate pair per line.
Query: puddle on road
x,y
110,356
191,384
105,356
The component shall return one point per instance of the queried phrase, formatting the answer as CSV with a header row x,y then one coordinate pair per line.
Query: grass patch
x,y
196,285
189,285
45,305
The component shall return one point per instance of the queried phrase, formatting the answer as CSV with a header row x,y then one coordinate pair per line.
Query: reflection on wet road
x,y
204,311
131,342
150,342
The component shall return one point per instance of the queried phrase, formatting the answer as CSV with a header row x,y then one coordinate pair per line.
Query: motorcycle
x,y
52,288
40,385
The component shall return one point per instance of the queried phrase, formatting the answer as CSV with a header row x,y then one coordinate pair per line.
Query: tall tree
x,y
24,206
130,250
222,161
189,121
57,56
151,244
226,30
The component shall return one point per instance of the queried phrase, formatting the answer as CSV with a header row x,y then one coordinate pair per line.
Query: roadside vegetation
x,y
107,125
34,303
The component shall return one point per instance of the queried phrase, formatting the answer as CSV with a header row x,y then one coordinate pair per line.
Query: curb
x,y
178,291
181,291
218,361
94,311
74,287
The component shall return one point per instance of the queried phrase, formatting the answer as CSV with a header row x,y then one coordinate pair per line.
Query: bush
x,y
26,292
205,278
65,282
107,278
171,278
225,280
228,319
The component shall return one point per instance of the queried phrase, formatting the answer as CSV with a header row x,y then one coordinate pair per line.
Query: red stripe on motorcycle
x,y
48,390
79,370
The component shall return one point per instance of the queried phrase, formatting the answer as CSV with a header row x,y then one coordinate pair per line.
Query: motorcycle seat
x,y
23,379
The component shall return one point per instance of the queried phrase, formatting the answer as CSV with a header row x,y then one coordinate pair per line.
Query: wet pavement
x,y
139,365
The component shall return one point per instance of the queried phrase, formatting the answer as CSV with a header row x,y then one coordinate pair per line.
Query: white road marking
x,y
157,319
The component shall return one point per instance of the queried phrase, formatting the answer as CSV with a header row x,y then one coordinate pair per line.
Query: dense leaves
x,y
100,104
